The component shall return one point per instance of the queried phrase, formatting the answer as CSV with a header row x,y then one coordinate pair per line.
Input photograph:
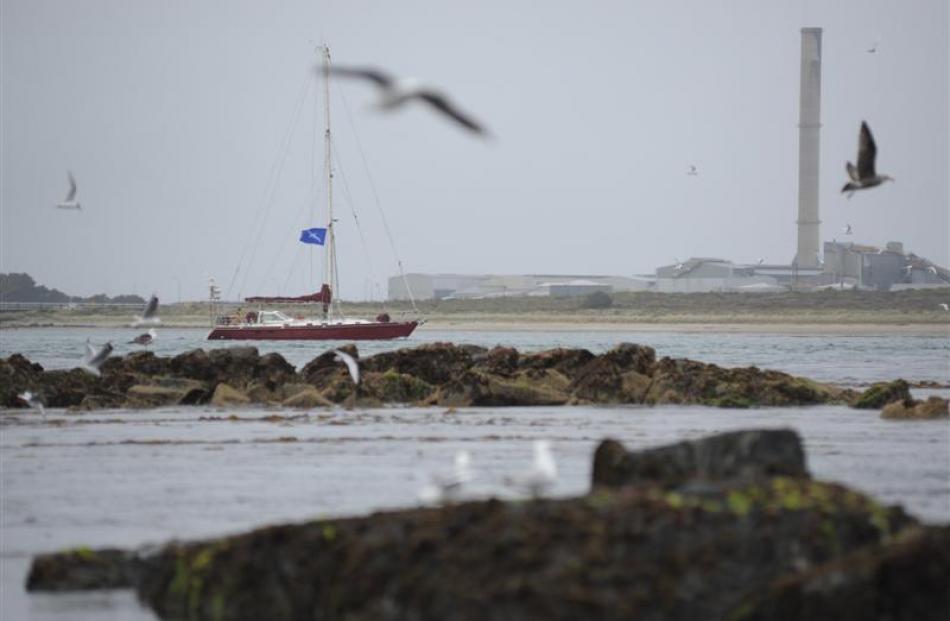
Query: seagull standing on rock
x,y
395,92
863,176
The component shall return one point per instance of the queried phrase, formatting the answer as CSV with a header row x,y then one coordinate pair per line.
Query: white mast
x,y
330,268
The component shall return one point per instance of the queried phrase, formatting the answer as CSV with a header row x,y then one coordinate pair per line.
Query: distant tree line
x,y
22,288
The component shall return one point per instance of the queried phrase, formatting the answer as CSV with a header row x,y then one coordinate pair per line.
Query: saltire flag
x,y
313,236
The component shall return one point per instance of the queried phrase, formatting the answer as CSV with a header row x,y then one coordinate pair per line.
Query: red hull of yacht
x,y
319,332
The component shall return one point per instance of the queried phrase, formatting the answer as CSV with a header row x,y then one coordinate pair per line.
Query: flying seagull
x,y
932,269
863,175
944,306
448,487
351,364
70,202
33,401
394,92
149,314
145,338
692,171
873,48
847,229
760,262
94,358
542,475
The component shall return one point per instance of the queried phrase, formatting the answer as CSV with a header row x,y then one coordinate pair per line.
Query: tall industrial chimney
x,y
809,126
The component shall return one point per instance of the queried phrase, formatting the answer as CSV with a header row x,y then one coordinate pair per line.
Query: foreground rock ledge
x,y
436,374
730,544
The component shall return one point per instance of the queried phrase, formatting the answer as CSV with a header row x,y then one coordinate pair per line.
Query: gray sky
x,y
173,114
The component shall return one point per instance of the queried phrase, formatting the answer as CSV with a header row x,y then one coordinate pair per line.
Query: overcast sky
x,y
174,116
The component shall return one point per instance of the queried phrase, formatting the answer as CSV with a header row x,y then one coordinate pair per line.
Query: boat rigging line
x,y
379,206
270,190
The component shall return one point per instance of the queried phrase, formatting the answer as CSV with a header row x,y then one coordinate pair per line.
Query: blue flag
x,y
313,236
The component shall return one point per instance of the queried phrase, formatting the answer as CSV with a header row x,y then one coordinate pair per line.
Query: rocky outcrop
x,y
905,578
440,374
882,393
225,395
739,543
912,409
738,455
83,569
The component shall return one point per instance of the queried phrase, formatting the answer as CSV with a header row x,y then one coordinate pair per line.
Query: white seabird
x,y
149,314
543,473
145,338
863,176
33,401
395,92
70,202
847,229
94,358
448,487
944,306
692,171
351,364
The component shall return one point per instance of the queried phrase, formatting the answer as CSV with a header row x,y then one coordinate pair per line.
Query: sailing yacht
x,y
267,324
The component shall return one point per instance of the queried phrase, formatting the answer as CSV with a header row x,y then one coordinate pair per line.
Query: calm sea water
x,y
851,360
119,478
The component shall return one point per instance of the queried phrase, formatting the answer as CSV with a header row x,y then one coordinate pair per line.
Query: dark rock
x,y
743,455
194,364
393,387
882,393
565,361
498,361
83,569
631,357
438,373
306,397
434,363
688,381
18,374
598,381
166,392
143,363
273,371
906,578
63,389
318,371
226,395
645,553
934,407
234,365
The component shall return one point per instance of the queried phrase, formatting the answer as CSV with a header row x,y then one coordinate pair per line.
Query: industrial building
x,y
450,286
869,267
707,274
845,265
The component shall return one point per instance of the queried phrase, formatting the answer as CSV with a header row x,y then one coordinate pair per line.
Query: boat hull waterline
x,y
369,331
